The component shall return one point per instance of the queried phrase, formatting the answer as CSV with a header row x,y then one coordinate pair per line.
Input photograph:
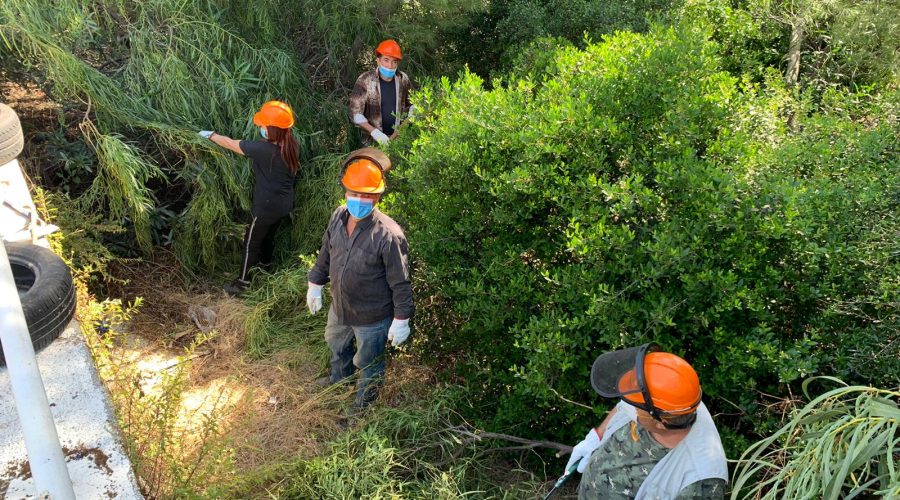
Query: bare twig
x,y
87,112
478,436
569,400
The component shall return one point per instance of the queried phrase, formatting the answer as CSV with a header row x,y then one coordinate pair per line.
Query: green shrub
x,y
638,193
840,175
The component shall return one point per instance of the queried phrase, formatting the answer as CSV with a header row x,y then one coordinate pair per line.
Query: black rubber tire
x,y
45,290
11,140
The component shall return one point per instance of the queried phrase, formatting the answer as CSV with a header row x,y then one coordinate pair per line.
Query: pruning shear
x,y
562,479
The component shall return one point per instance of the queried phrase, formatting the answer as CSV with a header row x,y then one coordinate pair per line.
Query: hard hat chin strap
x,y
642,381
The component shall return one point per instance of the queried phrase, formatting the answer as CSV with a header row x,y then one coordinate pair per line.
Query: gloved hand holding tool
x,y
313,297
398,332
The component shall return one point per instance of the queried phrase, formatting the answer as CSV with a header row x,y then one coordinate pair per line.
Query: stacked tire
x,y
11,139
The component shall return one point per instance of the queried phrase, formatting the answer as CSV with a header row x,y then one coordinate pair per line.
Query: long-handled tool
x,y
562,479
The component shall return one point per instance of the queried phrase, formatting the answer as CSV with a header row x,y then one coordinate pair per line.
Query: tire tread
x,y
50,302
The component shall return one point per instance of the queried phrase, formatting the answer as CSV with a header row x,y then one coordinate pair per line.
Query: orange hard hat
x,y
362,175
389,48
276,114
671,382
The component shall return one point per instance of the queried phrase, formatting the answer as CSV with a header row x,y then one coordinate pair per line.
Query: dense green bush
x,y
841,174
640,193
492,40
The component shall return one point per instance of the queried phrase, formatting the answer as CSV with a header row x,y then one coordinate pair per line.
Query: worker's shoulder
x,y
388,224
338,213
366,76
250,146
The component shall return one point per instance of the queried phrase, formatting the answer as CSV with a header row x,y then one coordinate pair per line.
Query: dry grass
x,y
273,410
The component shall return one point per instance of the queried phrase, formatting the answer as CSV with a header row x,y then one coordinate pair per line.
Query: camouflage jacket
x,y
366,99
618,467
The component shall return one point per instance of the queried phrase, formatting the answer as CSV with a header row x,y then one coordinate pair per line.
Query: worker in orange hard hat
x,y
365,257
380,98
659,441
274,160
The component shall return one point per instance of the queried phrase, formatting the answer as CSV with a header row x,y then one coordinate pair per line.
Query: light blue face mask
x,y
360,207
264,132
387,73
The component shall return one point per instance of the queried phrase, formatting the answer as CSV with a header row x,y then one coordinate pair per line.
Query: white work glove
x,y
583,450
380,137
206,134
398,332
313,297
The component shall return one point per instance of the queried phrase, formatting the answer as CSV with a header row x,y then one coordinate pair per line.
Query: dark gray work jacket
x,y
368,271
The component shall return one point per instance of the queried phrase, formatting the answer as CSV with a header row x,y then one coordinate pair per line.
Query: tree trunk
x,y
793,56
792,73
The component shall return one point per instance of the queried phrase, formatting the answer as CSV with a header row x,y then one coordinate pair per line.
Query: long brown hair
x,y
290,150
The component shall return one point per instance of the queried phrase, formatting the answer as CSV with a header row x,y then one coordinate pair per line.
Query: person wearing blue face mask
x,y
365,257
380,98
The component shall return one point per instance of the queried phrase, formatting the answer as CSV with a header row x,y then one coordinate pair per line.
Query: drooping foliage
x,y
841,444
151,74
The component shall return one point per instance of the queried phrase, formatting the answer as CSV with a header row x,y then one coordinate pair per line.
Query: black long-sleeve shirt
x,y
368,271
273,188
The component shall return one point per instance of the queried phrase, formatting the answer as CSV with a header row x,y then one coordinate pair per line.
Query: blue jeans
x,y
368,357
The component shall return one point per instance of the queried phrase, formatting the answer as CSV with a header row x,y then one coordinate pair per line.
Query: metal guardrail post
x,y
48,465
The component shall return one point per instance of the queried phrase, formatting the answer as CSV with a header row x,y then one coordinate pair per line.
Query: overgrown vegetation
x,y
279,318
406,452
720,177
186,442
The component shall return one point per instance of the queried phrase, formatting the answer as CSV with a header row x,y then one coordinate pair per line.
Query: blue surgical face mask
x,y
264,132
360,207
387,73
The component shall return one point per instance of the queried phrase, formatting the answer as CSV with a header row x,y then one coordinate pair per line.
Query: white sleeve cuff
x,y
359,119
